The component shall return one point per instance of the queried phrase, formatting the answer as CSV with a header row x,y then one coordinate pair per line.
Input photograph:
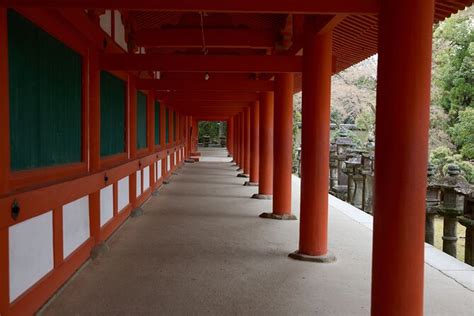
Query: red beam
x,y
210,104
201,63
192,96
215,38
250,6
205,85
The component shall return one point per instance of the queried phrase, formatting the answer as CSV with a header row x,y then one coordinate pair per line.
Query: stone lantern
x,y
467,220
343,144
367,170
453,188
207,139
432,205
223,141
332,165
355,179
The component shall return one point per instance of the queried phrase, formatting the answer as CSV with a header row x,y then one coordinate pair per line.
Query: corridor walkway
x,y
200,248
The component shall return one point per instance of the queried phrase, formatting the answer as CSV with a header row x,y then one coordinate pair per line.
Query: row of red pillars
x,y
262,146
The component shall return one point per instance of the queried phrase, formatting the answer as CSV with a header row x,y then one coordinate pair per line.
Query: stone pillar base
x,y
238,169
262,196
174,173
251,184
99,250
189,161
166,181
327,258
136,212
229,155
242,175
284,217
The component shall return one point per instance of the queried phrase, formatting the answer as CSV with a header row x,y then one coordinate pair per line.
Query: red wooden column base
x,y
282,146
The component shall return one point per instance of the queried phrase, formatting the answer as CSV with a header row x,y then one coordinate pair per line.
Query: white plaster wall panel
x,y
119,30
139,183
168,161
106,22
30,252
106,204
146,178
123,189
159,170
75,224
153,175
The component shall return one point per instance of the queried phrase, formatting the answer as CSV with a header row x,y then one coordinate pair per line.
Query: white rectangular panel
x,y
146,178
123,193
76,228
106,204
139,183
30,245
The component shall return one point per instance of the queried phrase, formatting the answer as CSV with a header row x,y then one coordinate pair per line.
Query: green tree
x,y
453,63
441,157
207,128
463,133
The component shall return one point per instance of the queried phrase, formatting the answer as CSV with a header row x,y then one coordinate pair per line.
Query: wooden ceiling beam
x,y
201,63
192,96
241,6
205,85
214,38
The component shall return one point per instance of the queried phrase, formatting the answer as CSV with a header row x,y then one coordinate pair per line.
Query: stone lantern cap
x,y
344,141
343,138
454,180
354,161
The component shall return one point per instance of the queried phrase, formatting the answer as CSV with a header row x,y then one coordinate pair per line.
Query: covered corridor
x,y
200,248
100,103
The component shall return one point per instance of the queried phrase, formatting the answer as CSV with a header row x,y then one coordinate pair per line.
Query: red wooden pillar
x,y
317,70
163,138
254,150
171,138
403,99
94,141
4,105
237,141
4,159
242,141
189,136
151,132
132,99
282,148
247,142
230,136
186,137
265,185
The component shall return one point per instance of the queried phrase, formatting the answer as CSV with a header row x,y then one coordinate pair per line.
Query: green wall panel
x,y
141,120
157,123
167,126
112,114
45,85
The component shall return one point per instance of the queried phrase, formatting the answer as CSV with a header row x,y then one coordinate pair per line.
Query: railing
x,y
50,231
449,200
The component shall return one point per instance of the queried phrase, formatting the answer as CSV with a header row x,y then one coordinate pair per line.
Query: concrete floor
x,y
200,248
